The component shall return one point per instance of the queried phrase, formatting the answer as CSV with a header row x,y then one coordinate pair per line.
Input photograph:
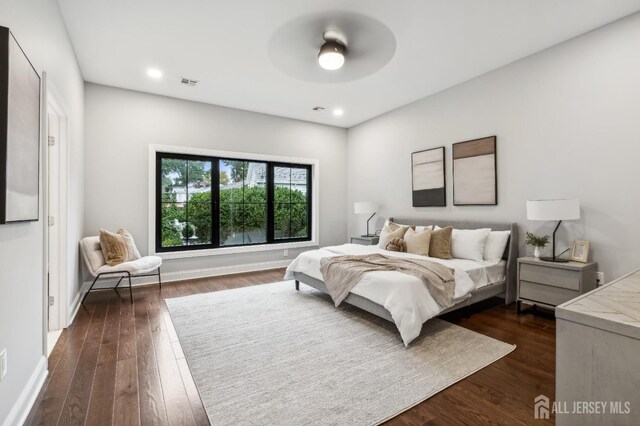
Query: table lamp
x,y
553,210
365,207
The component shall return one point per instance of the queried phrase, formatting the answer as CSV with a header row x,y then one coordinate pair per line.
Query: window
x,y
243,202
212,202
290,203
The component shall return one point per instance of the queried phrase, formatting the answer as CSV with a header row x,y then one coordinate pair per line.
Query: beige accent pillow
x,y
440,244
421,228
397,244
118,247
131,245
389,232
418,242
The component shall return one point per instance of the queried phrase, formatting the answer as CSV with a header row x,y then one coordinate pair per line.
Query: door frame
x,y
54,102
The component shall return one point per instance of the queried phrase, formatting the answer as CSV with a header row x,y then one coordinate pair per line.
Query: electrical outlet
x,y
599,278
286,252
3,364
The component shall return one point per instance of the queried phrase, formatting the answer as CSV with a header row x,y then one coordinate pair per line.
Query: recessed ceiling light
x,y
338,112
154,73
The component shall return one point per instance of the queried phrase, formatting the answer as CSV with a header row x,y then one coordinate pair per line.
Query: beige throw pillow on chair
x,y
418,242
118,247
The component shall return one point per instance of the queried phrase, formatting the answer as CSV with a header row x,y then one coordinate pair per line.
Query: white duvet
x,y
404,296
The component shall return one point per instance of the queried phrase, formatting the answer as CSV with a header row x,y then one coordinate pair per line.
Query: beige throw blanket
x,y
342,273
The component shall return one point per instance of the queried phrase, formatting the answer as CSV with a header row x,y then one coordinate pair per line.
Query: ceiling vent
x,y
188,81
318,108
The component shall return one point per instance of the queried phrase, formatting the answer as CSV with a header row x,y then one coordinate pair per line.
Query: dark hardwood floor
x,y
119,364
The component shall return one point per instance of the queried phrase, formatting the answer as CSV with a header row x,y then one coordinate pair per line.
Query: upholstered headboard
x,y
510,253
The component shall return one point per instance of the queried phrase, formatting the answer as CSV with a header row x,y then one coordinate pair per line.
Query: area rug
x,y
270,355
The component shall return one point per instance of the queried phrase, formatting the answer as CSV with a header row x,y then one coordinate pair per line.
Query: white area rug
x,y
270,355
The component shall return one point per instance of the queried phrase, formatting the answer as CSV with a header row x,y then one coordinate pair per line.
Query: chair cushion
x,y
139,266
92,254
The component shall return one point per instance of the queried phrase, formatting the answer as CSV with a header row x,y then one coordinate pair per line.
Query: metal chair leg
x,y
297,285
130,291
87,293
159,278
121,278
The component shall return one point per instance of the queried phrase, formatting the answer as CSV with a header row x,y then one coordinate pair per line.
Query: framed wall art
x,y
19,133
475,176
428,178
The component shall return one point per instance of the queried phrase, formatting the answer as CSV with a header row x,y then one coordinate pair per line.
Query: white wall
x,y
121,124
39,28
568,125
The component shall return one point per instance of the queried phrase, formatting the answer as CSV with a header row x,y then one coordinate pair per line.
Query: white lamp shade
x,y
553,209
365,207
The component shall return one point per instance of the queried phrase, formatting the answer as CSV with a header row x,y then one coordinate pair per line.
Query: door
x,y
53,210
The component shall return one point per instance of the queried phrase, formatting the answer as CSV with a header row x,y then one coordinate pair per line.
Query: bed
x,y
500,277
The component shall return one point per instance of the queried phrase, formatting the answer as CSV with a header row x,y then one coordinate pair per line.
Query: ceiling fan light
x,y
331,56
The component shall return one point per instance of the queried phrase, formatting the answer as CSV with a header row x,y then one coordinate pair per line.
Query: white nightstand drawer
x,y
542,293
550,276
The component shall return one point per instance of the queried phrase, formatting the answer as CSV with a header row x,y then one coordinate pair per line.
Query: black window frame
x,y
215,202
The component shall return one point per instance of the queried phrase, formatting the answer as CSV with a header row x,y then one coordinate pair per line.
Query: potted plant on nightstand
x,y
537,242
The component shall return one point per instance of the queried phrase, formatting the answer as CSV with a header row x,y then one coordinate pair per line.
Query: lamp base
x,y
556,260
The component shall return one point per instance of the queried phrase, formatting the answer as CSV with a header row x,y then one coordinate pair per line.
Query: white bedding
x,y
404,296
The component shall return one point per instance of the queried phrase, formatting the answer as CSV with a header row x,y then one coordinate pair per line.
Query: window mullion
x,y
215,201
186,202
158,203
271,190
309,199
290,207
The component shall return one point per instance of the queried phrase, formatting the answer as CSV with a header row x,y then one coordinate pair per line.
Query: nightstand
x,y
365,241
550,284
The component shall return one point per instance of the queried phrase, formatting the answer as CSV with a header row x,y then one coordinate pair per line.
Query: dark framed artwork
x,y
428,182
475,173
19,133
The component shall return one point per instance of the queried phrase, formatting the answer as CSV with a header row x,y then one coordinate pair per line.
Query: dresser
x,y
365,241
598,354
550,284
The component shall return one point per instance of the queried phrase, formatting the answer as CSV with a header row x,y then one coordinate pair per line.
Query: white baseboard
x,y
181,276
222,270
75,305
52,339
22,407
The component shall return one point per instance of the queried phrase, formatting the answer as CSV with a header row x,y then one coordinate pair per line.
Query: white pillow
x,y
496,243
469,243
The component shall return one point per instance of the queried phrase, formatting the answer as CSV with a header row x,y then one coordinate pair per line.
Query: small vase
x,y
537,251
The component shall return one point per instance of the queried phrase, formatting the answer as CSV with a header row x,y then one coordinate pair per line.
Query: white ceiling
x,y
224,44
